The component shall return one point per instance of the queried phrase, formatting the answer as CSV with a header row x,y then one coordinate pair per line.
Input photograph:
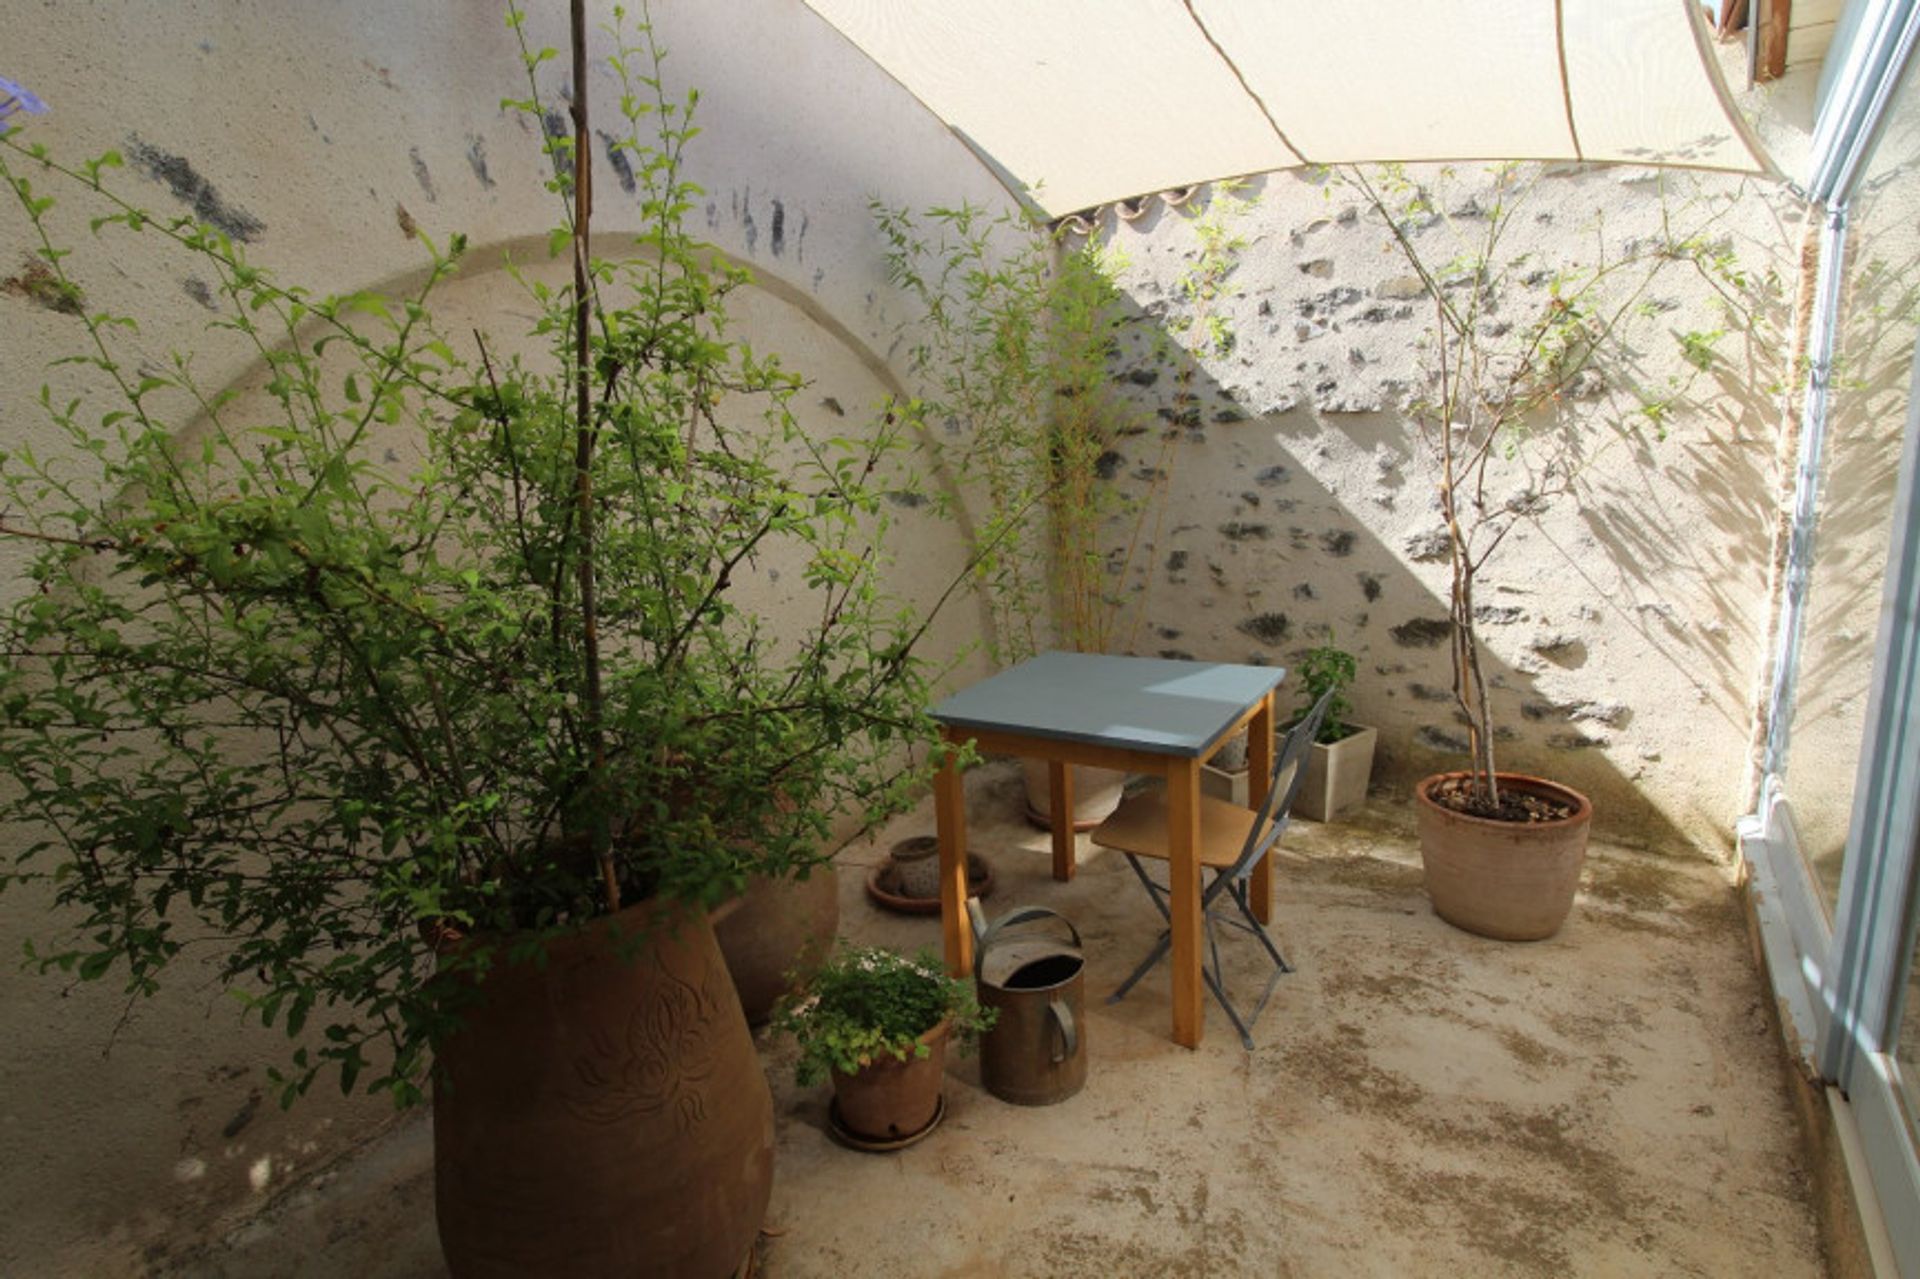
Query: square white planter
x,y
1337,776
1223,783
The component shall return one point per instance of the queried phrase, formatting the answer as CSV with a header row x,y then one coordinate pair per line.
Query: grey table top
x,y
1135,703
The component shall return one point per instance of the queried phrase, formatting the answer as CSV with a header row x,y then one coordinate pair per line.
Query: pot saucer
x,y
879,1146
883,886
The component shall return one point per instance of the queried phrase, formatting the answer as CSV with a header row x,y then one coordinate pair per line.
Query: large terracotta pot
x,y
890,1099
604,1115
1096,793
777,927
1512,881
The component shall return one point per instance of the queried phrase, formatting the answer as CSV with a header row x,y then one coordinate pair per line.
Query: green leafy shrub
x,y
275,693
868,1004
1324,667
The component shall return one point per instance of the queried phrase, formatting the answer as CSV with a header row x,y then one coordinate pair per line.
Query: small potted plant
x,y
1341,761
879,1023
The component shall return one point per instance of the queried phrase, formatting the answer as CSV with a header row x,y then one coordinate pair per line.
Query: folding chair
x,y
1233,840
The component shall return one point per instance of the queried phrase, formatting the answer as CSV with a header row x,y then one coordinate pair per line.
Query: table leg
x,y
950,824
1259,782
1060,802
1183,844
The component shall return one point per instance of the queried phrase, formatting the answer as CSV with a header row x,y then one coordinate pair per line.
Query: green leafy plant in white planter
x,y
1340,763
1015,337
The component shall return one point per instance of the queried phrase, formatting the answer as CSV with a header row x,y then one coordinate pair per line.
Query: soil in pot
x,y
1510,880
604,1113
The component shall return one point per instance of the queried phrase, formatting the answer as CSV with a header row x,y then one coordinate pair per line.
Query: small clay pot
x,y
916,866
888,1100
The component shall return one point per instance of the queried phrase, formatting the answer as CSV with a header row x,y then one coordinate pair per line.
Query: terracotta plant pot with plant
x,y
646,1095
1503,850
1506,879
878,1024
442,636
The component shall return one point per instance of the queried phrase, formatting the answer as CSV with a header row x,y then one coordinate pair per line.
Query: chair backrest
x,y
1289,770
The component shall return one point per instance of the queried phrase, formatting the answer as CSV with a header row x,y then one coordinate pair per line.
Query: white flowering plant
x,y
868,1004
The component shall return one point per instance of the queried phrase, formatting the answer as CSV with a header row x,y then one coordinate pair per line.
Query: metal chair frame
x,y
1232,881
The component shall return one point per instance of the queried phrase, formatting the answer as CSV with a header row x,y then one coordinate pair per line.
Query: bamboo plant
x,y
1017,334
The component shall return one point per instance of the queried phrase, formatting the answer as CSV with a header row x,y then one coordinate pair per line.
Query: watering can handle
x,y
1069,1033
1018,915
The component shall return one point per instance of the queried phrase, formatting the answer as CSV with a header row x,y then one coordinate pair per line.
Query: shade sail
x,y
1082,102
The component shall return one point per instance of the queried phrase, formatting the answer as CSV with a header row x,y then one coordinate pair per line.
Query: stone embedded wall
x,y
1623,627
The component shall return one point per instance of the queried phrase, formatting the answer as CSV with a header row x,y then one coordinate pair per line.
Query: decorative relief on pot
x,y
665,1058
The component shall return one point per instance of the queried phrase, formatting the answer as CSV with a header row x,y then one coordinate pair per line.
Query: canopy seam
x,y
1566,86
1246,88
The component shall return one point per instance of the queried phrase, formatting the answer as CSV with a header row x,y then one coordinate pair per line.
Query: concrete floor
x,y
1422,1102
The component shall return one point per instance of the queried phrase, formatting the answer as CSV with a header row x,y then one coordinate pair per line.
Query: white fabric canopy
x,y
1082,102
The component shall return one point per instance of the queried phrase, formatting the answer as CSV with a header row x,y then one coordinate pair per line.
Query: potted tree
x,y
450,756
1503,851
878,1024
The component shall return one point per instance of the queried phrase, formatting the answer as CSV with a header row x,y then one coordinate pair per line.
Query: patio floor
x,y
1608,1102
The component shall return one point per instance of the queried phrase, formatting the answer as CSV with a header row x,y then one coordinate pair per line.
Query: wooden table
x,y
1136,714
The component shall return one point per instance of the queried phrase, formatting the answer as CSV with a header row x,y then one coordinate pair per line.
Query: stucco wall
x,y
315,134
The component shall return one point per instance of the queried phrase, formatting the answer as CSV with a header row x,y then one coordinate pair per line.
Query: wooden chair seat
x,y
1139,826
1234,840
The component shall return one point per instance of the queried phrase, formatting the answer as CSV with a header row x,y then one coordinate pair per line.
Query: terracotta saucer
x,y
854,1141
883,887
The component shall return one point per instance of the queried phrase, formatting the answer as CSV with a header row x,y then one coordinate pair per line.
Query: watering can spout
x,y
977,916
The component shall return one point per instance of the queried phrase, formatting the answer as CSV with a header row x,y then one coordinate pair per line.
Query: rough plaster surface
x,y
1421,1102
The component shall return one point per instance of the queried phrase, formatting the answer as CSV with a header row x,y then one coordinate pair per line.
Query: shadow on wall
x,y
1622,624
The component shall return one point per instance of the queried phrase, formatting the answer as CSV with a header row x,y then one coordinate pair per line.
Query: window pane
x,y
1879,313
1906,1041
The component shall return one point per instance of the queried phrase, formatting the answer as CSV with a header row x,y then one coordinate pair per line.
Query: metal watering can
x,y
1036,1053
